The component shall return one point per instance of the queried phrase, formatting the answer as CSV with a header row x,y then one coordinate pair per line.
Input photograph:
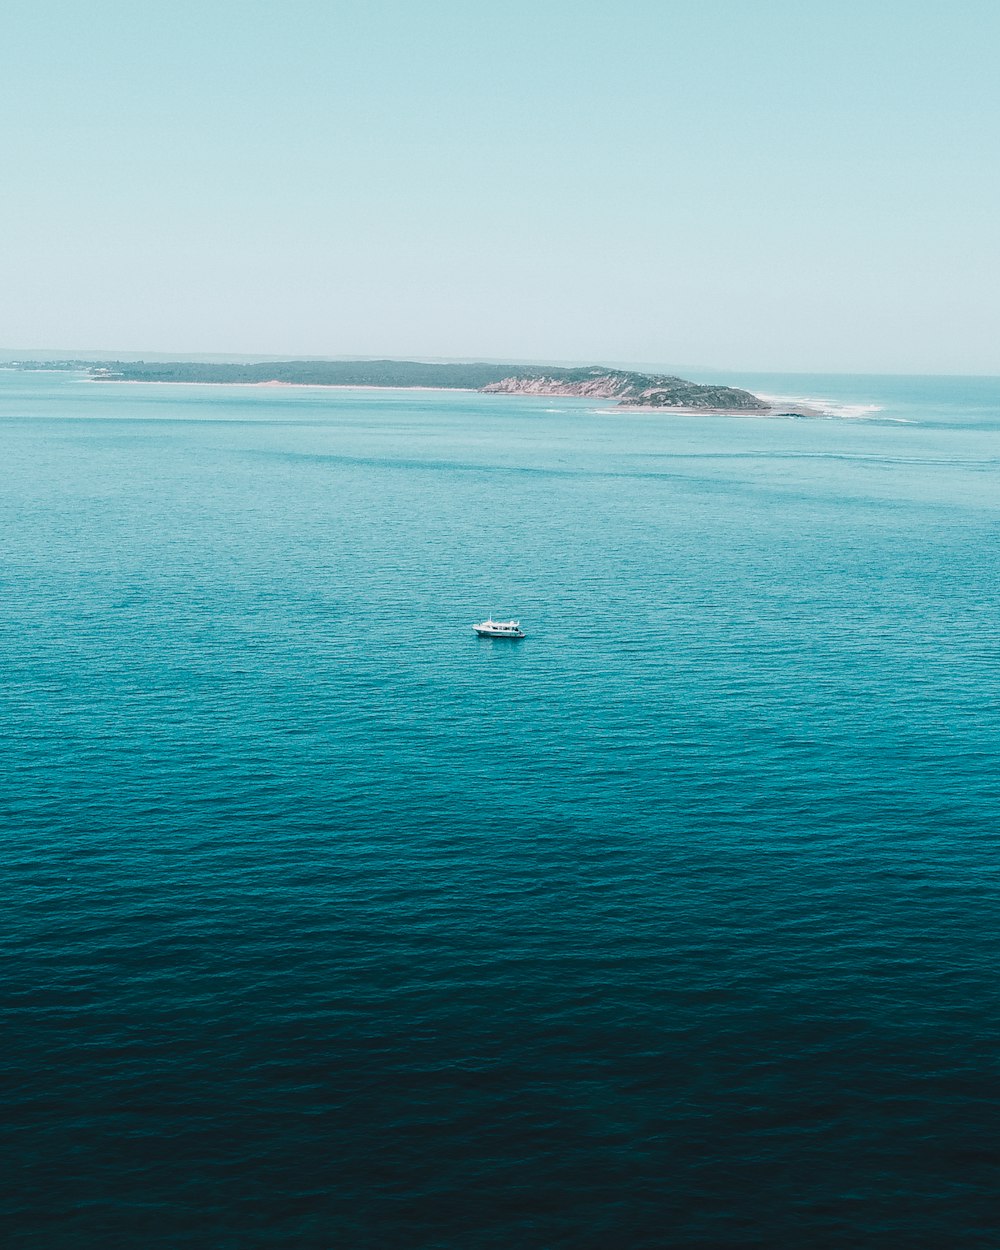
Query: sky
x,y
758,185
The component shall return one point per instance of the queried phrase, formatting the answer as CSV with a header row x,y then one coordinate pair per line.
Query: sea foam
x,y
827,407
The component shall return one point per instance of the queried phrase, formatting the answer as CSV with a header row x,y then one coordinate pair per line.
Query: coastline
x,y
295,386
774,410
791,410
593,384
678,411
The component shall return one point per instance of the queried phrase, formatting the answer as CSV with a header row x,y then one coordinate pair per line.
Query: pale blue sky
x,y
777,184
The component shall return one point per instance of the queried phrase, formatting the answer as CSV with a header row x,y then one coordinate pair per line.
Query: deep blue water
x,y
326,924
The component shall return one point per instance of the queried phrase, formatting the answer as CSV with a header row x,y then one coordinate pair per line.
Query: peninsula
x,y
628,388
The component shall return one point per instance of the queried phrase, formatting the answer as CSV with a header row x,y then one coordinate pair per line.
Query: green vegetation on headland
x,y
632,390
629,388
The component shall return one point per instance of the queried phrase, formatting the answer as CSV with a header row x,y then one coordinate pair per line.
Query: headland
x,y
629,389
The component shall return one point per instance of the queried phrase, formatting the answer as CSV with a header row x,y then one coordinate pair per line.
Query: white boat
x,y
499,629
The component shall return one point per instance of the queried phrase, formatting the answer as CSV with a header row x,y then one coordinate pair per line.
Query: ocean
x,y
327,924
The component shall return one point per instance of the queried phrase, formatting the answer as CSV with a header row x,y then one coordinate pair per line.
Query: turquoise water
x,y
327,924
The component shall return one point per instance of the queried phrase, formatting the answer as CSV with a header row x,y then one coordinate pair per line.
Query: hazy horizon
x,y
778,187
52,355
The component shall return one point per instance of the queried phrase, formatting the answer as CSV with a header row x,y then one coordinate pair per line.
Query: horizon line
x,y
97,355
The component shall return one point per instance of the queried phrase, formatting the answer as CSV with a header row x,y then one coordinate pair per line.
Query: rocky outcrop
x,y
632,390
598,384
680,394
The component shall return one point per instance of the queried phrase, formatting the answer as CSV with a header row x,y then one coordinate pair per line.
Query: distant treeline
x,y
471,377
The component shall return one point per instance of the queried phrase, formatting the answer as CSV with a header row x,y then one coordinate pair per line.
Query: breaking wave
x,y
830,408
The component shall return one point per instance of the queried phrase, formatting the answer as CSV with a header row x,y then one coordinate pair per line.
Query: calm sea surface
x,y
327,924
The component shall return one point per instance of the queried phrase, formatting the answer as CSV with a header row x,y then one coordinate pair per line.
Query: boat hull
x,y
498,633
